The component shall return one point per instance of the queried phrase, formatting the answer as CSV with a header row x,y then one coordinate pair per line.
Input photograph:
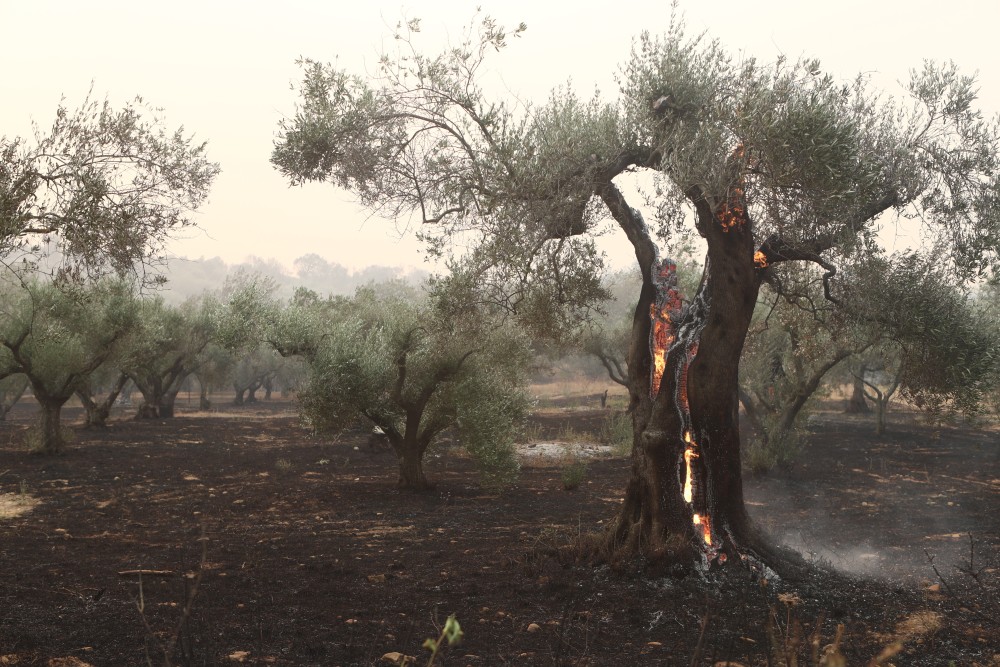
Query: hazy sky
x,y
224,69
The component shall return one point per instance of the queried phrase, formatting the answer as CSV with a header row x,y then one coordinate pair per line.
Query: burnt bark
x,y
411,469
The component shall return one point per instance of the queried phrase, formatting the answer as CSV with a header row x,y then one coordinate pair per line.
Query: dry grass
x,y
13,505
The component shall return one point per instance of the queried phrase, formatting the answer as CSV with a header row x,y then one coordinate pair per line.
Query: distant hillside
x,y
190,277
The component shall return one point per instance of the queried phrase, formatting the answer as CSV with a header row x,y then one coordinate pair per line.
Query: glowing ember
x,y
760,260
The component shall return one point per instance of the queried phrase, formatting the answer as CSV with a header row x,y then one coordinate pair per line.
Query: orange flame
x,y
689,454
706,528
662,338
760,260
733,211
661,312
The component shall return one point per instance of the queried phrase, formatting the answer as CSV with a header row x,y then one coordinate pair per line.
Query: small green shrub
x,y
617,432
574,470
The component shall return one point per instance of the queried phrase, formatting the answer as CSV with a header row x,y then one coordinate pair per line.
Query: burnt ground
x,y
302,552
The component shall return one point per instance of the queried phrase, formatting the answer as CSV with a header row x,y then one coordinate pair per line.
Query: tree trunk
x,y
684,503
99,411
50,439
411,470
856,404
880,409
238,397
268,388
167,402
203,402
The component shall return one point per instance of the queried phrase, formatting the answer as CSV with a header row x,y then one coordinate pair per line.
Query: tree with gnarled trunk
x,y
405,366
774,164
168,349
99,394
57,335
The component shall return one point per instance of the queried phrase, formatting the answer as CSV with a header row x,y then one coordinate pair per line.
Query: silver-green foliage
x,y
57,334
108,185
396,362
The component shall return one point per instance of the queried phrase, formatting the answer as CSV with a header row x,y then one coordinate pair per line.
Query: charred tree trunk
x,y
411,469
203,402
159,390
409,448
167,402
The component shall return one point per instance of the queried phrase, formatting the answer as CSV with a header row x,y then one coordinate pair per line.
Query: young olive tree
x,y
774,163
106,186
57,335
795,340
396,362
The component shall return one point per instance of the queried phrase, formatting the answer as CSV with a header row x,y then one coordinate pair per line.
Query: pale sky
x,y
223,70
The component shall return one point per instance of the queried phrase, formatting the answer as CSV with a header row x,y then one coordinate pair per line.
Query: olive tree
x,y
772,163
100,390
57,335
392,360
107,186
931,340
167,349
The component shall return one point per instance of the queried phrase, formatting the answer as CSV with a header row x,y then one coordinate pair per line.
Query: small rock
x,y
534,627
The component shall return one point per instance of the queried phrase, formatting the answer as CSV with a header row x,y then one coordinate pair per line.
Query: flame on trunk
x,y
673,327
662,311
689,453
706,527
760,260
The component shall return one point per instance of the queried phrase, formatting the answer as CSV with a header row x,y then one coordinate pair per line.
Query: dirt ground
x,y
235,537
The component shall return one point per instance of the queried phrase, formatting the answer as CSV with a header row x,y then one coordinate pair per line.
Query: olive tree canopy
x,y
106,186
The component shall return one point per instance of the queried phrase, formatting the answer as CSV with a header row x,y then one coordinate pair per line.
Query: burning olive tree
x,y
771,163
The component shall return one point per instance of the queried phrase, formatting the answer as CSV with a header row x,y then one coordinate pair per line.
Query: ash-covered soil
x,y
236,537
